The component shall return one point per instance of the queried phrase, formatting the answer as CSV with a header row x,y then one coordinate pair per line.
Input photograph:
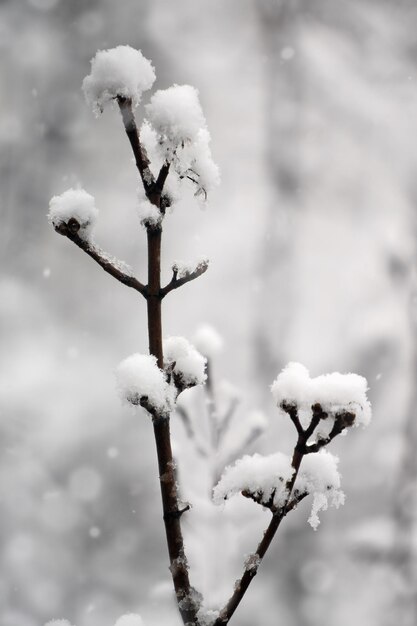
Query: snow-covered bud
x,y
141,382
208,341
73,212
176,114
340,397
176,126
118,72
186,365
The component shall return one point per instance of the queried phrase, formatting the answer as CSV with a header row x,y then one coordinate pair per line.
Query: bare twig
x,y
186,278
70,231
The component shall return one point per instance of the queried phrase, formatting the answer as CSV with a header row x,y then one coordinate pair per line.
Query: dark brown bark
x,y
161,426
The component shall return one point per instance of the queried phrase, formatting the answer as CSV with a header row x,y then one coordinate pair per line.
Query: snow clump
x,y
149,214
335,392
73,204
187,365
266,478
121,71
139,380
208,341
176,126
319,476
262,476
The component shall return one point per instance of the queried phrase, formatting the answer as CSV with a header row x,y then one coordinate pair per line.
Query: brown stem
x,y
169,493
277,517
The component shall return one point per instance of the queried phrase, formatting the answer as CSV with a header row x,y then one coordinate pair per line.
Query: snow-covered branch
x,y
184,273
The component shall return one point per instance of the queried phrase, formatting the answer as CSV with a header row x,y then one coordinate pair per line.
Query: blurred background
x,y
311,105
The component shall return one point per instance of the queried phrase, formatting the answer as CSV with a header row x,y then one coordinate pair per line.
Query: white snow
x,y
208,341
138,377
257,474
58,622
77,204
148,212
176,115
266,476
130,619
184,268
335,392
121,71
176,130
188,364
319,476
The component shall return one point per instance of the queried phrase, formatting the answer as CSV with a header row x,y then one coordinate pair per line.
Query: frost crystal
x,y
334,392
187,365
130,619
140,380
121,71
208,341
263,476
74,204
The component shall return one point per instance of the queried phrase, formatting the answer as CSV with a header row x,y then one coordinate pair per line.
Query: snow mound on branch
x,y
319,476
148,213
77,204
58,622
334,392
121,71
176,114
176,131
130,619
263,476
266,477
187,364
139,378
208,341
185,268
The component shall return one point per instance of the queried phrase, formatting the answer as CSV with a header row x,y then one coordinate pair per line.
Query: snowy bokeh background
x,y
311,105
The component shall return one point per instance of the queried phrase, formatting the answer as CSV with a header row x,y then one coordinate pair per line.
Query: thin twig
x,y
186,278
100,257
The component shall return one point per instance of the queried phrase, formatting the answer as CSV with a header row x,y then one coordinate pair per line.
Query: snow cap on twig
x,y
185,362
74,212
176,130
335,392
118,72
141,382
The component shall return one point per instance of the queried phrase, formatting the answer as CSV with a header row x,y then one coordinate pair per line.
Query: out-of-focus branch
x,y
176,282
70,231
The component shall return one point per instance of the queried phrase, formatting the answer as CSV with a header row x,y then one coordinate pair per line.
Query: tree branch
x,y
70,231
153,188
176,282
243,583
